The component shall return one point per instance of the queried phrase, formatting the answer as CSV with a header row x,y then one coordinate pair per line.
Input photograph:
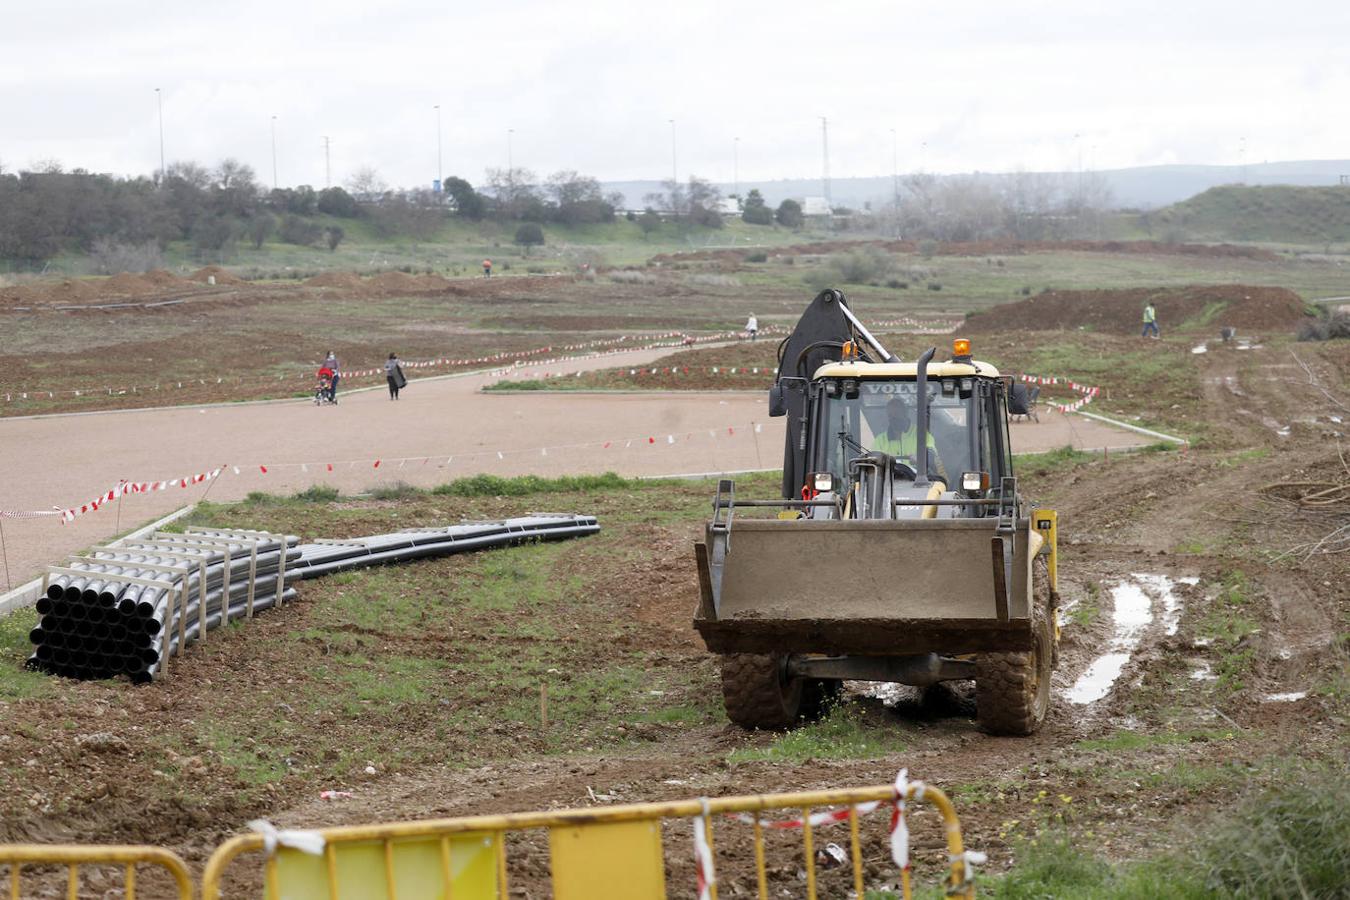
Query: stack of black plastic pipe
x,y
95,626
100,625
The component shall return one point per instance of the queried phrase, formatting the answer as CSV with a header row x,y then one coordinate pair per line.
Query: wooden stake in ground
x,y
4,552
543,706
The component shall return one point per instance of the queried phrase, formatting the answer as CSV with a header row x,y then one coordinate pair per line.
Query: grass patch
x,y
1086,611
495,486
399,490
16,682
844,733
1293,841
1137,740
529,384
1226,623
1244,456
315,493
1036,464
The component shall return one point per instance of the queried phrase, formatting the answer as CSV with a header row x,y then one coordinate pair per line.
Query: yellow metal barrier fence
x,y
73,856
595,854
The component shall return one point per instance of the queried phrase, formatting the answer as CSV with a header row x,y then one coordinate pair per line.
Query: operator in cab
x,y
901,436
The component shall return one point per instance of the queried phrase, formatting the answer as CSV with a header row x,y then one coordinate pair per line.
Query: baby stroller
x,y
323,393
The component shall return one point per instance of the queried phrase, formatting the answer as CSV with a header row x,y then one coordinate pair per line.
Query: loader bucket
x,y
869,586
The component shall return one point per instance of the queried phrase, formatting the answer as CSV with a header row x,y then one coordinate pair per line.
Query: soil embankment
x,y
1244,307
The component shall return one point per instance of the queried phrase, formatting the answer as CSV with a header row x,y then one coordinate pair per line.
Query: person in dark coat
x,y
393,373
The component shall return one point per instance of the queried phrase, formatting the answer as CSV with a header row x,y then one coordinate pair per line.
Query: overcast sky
x,y
592,84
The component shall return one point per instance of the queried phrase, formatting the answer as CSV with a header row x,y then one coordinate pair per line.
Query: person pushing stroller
x,y
323,393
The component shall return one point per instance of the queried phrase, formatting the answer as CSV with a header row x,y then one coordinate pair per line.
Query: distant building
x,y
815,206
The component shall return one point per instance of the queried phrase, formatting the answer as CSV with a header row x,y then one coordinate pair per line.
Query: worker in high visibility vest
x,y
1150,321
901,436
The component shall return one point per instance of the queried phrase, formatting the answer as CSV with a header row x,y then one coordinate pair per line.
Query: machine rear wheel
x,y
758,692
1012,690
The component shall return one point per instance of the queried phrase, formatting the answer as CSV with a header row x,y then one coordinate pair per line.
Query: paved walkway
x,y
441,429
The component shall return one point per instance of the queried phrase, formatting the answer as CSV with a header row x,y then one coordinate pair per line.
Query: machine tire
x,y
758,693
1012,690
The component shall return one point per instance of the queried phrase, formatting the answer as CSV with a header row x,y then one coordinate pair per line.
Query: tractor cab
x,y
858,433
872,443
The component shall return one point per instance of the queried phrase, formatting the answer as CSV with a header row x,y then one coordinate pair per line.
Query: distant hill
x,y
1144,187
1262,213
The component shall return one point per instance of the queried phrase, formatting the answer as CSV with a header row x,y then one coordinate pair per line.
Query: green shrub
x,y
399,490
1293,841
757,257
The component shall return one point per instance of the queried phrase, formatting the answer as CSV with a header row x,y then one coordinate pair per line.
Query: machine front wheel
x,y
758,692
1012,690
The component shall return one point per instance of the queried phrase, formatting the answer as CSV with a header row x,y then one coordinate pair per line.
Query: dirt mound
x,y
162,279
69,291
730,257
222,277
127,285
344,280
1211,306
431,283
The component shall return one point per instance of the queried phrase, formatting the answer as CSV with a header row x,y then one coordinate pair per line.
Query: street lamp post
x,y
736,166
274,153
895,169
825,158
440,170
510,150
674,167
159,102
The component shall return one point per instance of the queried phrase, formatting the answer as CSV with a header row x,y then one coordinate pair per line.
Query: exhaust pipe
x,y
921,418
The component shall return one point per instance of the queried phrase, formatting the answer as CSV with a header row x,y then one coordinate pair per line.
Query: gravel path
x,y
441,429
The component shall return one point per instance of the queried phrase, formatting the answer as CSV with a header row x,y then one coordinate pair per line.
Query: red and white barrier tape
x,y
899,830
703,857
69,514
644,371
617,345
133,487
1087,391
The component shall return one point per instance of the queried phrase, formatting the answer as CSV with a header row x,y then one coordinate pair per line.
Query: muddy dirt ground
x,y
1196,564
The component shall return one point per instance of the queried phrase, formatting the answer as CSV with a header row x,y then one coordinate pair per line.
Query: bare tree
x,y
579,198
366,185
517,195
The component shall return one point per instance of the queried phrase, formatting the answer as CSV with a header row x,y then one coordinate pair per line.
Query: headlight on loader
x,y
822,482
974,482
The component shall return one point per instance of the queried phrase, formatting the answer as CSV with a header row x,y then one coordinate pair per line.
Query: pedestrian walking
x,y
1150,321
330,362
393,373
487,268
752,326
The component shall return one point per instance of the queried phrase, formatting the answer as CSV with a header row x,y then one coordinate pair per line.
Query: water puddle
x,y
1202,672
1285,698
1133,614
1203,348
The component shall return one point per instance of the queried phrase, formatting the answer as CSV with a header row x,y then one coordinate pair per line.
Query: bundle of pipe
x,y
110,622
97,626
326,557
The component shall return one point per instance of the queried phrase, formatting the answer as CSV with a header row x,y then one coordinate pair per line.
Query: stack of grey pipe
x,y
127,608
325,557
